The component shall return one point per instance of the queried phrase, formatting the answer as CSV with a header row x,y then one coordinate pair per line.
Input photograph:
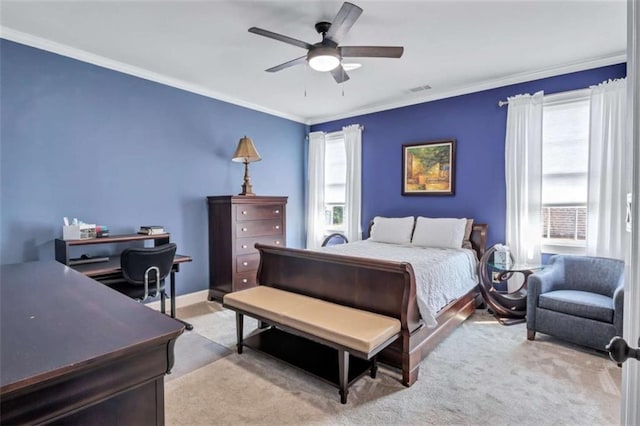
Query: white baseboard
x,y
182,301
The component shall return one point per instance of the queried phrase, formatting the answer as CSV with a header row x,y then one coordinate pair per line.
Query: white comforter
x,y
442,275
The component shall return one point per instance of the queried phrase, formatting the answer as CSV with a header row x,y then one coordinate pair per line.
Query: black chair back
x,y
135,262
334,239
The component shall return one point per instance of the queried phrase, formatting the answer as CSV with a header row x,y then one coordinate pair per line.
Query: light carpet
x,y
484,373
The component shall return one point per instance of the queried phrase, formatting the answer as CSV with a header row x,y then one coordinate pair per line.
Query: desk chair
x,y
144,270
334,239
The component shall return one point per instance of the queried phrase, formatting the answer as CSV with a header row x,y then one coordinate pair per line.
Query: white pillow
x,y
395,230
440,232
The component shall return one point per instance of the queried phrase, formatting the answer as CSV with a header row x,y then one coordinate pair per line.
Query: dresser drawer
x,y
258,212
245,280
247,245
259,228
247,262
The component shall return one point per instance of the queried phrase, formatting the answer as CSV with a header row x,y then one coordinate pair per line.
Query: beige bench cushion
x,y
266,302
353,328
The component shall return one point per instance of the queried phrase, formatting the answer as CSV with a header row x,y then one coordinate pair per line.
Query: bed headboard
x,y
478,237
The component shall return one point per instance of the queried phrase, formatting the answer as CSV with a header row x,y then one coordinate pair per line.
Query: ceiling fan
x,y
327,55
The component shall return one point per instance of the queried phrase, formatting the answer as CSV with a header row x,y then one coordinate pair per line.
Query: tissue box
x,y
501,257
82,231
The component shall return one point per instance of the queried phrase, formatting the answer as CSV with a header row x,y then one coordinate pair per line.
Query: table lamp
x,y
246,153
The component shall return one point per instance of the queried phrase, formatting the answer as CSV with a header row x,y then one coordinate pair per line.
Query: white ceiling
x,y
203,46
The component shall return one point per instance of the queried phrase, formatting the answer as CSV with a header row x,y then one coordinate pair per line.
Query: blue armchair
x,y
577,298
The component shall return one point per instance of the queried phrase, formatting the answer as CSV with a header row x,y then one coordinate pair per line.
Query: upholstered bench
x,y
296,321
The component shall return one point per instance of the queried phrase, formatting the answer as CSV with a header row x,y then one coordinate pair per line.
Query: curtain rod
x,y
359,125
568,92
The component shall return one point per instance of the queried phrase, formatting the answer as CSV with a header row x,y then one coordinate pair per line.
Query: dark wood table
x,y
74,351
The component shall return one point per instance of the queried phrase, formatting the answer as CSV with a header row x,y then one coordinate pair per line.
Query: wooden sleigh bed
x,y
384,287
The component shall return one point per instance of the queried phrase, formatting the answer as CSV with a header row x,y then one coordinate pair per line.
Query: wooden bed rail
x,y
384,287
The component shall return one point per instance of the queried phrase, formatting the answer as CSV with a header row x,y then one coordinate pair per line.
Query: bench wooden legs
x,y
374,367
343,367
239,330
343,356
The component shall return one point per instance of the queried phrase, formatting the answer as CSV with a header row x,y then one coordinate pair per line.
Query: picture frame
x,y
429,168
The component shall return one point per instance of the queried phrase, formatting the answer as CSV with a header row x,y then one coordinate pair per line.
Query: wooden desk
x,y
112,266
110,271
74,351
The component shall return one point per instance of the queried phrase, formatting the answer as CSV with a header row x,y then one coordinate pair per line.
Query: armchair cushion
x,y
579,303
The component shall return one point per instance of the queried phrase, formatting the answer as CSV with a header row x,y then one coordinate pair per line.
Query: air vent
x,y
419,89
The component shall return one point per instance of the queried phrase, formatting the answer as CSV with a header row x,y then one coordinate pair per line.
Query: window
x,y
335,177
334,184
565,165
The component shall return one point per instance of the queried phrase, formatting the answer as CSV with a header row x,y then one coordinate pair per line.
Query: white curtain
x,y
523,173
315,190
353,190
610,162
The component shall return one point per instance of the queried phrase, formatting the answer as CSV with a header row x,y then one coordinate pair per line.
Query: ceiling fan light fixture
x,y
323,59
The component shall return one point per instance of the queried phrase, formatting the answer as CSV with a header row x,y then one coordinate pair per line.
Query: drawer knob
x,y
245,263
244,212
277,243
244,280
244,229
244,246
276,211
277,226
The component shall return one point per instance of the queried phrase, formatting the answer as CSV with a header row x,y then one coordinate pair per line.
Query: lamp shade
x,y
246,152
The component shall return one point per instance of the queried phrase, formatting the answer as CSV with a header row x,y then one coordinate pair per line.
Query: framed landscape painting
x,y
429,168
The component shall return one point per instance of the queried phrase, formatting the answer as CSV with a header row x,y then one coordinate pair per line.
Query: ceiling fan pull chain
x,y
306,75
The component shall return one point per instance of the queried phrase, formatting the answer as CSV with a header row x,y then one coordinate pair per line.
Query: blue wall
x,y
83,141
478,125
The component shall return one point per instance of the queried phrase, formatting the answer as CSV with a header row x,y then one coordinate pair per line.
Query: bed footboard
x,y
384,287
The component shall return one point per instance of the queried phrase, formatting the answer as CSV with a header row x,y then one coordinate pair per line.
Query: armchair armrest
x,y
549,279
544,281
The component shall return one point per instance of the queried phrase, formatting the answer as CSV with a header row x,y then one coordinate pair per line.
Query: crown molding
x,y
101,61
84,56
480,86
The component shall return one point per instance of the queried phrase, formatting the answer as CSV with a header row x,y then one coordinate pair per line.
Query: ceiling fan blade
x,y
339,74
280,37
371,51
291,63
342,23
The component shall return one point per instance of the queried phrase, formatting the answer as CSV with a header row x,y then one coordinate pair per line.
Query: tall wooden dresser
x,y
236,224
